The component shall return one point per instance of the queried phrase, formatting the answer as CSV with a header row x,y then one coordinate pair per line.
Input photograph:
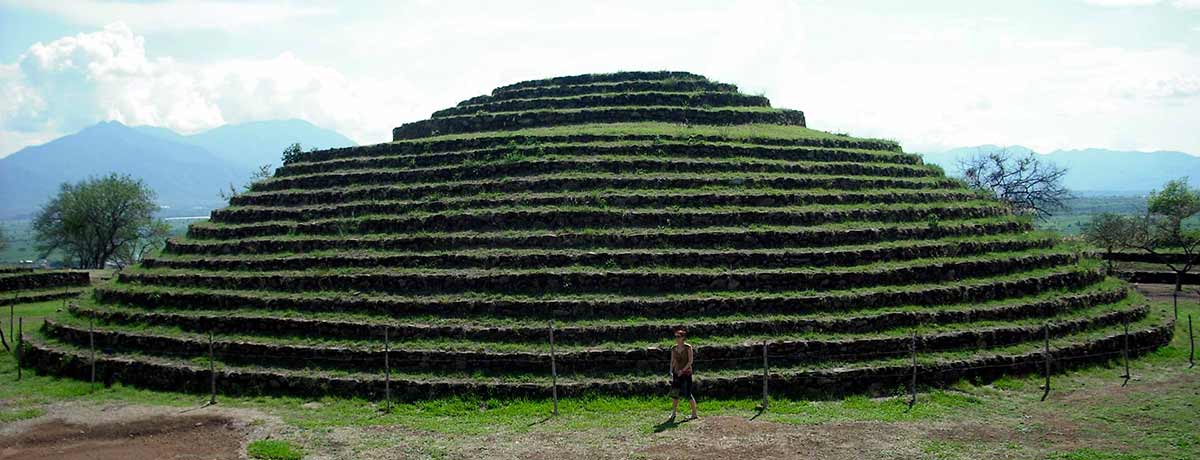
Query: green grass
x,y
351,221
666,130
274,449
881,267
16,415
458,344
1149,419
638,107
494,321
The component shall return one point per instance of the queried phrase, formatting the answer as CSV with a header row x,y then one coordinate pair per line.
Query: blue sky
x,y
1122,74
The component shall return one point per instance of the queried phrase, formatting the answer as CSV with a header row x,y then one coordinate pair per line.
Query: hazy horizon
x,y
1115,74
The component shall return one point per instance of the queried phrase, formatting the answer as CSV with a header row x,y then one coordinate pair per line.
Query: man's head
x,y
680,335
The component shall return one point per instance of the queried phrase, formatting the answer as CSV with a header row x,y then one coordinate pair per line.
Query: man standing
x,y
681,373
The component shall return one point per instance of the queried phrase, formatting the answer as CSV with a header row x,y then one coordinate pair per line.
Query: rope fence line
x,y
749,360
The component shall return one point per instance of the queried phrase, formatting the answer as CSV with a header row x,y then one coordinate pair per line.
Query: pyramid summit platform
x,y
617,208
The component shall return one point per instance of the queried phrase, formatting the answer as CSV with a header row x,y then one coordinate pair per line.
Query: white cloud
x,y
1121,3
64,85
1182,4
173,14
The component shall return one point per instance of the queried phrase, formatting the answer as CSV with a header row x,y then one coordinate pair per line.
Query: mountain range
x,y
186,171
1095,170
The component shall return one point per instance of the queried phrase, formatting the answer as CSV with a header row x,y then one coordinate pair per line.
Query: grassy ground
x,y
1088,416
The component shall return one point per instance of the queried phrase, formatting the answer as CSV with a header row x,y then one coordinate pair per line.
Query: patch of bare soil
x,y
130,432
1163,292
196,436
736,437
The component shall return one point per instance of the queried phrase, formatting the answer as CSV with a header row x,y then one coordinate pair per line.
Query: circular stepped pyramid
x,y
617,207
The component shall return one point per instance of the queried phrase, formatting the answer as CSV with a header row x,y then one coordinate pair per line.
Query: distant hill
x,y
1126,172
186,171
249,145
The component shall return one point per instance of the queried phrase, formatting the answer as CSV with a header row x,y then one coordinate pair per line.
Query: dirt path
x,y
131,432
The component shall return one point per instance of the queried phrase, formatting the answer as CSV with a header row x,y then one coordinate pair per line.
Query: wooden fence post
x,y
912,348
1125,351
1046,356
766,377
1192,341
92,349
553,370
19,341
387,369
212,371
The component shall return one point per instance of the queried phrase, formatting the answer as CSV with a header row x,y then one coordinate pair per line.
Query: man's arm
x,y
691,356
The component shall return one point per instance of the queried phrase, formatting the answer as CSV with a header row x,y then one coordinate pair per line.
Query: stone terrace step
x,y
497,139
180,375
327,326
420,356
615,165
632,86
518,120
642,149
639,99
624,199
20,281
41,295
608,306
615,77
583,217
591,279
712,237
628,259
576,182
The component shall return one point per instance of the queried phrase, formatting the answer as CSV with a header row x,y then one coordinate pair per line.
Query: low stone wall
x,y
650,308
22,281
301,327
818,383
749,239
660,150
537,184
678,86
556,281
521,120
649,199
615,77
553,165
1144,257
591,362
614,259
553,219
483,142
644,99
21,297
1157,277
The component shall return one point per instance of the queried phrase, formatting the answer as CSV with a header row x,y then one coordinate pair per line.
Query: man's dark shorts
x,y
681,386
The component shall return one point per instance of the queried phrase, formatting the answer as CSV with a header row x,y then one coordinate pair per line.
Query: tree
x,y
3,240
151,238
1109,231
1160,233
292,153
1026,182
93,220
263,173
1175,203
